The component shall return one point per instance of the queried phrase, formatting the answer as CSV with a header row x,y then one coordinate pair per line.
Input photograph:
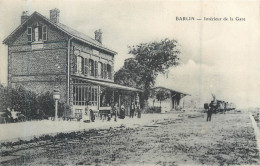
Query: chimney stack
x,y
55,15
98,35
24,16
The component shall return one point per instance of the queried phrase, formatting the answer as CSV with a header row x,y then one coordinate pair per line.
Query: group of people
x,y
135,108
115,112
120,113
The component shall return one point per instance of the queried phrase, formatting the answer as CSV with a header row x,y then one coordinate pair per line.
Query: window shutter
x,y
96,68
112,72
86,67
29,34
44,33
75,64
108,71
104,71
33,34
91,67
82,65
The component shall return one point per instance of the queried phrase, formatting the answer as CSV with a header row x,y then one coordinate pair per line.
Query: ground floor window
x,y
106,97
84,93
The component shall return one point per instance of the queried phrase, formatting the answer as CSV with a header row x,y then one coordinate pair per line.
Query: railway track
x,y
24,151
21,153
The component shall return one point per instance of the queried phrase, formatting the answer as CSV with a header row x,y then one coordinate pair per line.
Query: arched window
x,y
109,72
91,67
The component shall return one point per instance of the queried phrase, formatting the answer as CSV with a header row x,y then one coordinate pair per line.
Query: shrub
x,y
23,100
28,103
46,104
3,98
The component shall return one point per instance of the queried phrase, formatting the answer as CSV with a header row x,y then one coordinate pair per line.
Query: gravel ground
x,y
29,129
188,140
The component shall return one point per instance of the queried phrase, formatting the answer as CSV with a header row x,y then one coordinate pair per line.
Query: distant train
x,y
222,106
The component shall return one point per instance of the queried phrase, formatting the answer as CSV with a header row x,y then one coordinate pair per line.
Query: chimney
x,y
55,15
24,16
98,35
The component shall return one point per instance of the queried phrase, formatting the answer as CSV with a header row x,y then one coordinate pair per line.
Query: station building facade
x,y
44,54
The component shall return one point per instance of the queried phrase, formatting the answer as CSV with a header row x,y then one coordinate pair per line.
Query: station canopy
x,y
114,86
172,90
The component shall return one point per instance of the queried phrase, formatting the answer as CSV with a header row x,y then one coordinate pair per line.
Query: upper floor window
x,y
44,33
37,33
80,64
91,67
109,72
100,70
29,34
86,66
105,71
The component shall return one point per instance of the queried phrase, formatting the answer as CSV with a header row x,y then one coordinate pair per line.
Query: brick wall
x,y
39,62
88,52
53,35
37,66
39,69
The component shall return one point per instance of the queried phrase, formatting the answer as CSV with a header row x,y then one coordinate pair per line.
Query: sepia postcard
x,y
134,82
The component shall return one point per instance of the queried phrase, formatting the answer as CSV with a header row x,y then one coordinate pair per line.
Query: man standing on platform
x,y
132,110
138,111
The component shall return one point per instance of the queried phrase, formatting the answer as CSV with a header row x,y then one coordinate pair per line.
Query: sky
x,y
217,57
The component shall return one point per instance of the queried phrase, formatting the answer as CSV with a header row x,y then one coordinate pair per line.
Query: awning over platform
x,y
113,85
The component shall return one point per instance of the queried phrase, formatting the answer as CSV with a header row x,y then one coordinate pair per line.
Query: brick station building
x,y
44,54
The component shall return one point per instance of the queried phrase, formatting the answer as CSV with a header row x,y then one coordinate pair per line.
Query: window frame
x,y
91,67
80,62
109,72
29,34
86,66
100,70
39,35
82,65
44,33
105,71
39,32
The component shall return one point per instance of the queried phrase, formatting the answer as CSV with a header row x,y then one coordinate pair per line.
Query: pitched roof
x,y
172,90
71,32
